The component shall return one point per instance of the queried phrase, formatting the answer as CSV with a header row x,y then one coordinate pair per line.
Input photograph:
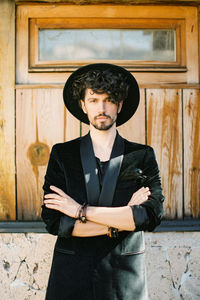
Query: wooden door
x,y
167,118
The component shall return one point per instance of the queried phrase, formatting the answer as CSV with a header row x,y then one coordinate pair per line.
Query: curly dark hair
x,y
107,81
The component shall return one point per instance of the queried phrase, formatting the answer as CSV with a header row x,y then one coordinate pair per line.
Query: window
x,y
107,44
136,44
158,42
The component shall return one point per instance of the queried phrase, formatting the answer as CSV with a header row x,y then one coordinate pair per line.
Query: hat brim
x,y
129,106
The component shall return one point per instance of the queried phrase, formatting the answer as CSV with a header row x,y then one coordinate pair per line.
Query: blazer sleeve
x,y
56,222
148,215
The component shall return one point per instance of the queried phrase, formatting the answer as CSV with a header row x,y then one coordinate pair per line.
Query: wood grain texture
x,y
84,129
39,125
127,2
164,134
191,114
7,110
134,129
199,38
72,126
142,86
192,50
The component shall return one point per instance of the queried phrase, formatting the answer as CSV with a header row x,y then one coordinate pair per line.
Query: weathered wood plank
x,y
72,126
39,125
199,38
127,2
142,86
7,110
192,50
191,113
164,134
84,129
134,129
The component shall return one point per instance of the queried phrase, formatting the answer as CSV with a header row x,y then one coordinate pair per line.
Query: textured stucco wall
x,y
172,260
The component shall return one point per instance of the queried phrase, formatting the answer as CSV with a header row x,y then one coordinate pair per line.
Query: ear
x,y
82,104
120,107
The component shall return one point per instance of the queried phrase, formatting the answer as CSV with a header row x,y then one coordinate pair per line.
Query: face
x,y
101,111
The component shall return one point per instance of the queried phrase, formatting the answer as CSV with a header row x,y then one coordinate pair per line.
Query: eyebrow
x,y
92,98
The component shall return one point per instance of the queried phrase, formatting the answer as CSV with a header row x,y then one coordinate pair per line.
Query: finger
x,y
53,196
139,198
138,192
144,194
142,190
52,201
54,207
57,190
142,197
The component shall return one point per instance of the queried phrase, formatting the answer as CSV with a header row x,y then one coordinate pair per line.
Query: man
x,y
101,193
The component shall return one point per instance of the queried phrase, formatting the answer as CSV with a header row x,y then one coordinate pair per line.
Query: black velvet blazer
x,y
65,171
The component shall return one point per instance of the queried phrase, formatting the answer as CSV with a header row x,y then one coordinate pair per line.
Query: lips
x,y
102,118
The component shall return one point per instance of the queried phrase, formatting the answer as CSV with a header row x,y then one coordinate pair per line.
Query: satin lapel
x,y
90,170
112,172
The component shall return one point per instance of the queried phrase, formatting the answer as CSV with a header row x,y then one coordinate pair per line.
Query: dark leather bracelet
x,y
82,213
113,232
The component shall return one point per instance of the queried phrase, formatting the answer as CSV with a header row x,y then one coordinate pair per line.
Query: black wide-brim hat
x,y
129,106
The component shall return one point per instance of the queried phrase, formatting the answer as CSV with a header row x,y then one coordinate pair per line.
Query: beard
x,y
103,125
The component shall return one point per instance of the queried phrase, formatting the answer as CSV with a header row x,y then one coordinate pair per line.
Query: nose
x,y
101,107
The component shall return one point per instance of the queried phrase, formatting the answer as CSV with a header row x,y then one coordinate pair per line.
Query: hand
x,y
61,202
140,196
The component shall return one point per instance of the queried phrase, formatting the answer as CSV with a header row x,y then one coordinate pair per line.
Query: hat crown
x,y
119,84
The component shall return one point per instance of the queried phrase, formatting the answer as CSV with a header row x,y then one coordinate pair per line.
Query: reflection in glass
x,y
111,44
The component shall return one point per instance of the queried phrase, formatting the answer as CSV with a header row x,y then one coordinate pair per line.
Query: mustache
x,y
103,115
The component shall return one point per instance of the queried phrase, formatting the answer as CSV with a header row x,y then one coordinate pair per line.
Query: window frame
x,y
35,24
186,72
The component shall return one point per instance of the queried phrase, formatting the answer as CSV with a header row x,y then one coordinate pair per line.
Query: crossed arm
x,y
99,218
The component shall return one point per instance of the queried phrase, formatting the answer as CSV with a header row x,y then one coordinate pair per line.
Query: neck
x,y
103,141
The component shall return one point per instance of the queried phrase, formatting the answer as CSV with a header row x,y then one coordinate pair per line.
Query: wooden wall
x,y
169,118
41,121
191,142
7,110
126,2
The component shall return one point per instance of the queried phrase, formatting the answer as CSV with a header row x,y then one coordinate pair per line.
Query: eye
x,y
92,100
111,100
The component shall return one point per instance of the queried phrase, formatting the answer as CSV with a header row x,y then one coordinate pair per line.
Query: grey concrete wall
x,y
172,260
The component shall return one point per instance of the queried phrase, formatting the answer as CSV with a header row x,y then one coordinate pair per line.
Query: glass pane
x,y
107,44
